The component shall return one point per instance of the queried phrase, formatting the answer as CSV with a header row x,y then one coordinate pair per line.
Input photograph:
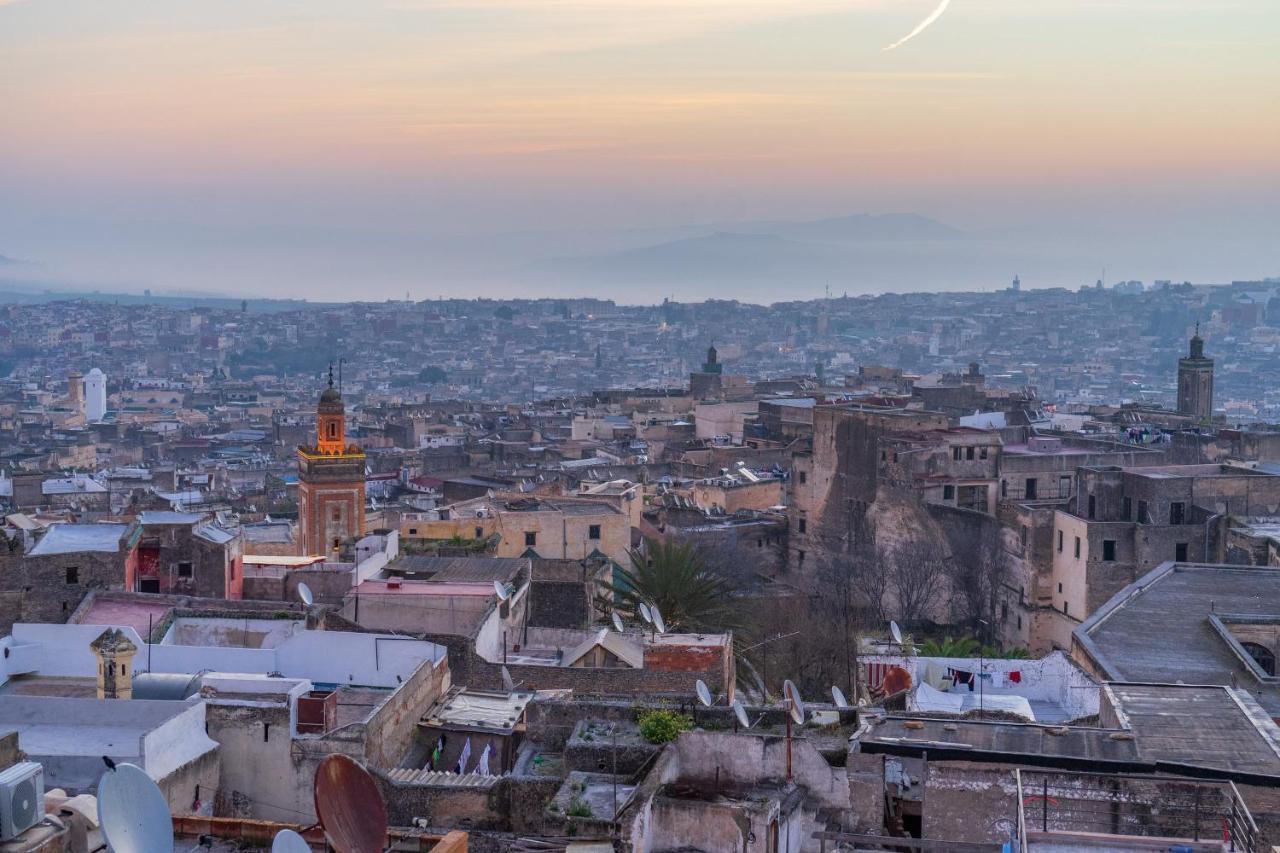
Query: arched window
x,y
1263,655
333,430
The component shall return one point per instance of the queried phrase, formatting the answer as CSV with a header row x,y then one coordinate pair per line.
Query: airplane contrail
x,y
924,25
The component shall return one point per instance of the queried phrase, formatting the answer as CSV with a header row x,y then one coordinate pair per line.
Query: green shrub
x,y
663,726
579,808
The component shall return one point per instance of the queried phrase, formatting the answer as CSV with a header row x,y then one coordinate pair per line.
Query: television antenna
x,y
305,594
503,591
617,623
838,696
349,806
644,612
795,714
740,716
132,813
658,622
704,693
288,841
508,683
895,632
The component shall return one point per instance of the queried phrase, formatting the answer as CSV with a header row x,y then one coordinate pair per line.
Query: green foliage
x,y
579,808
504,312
663,726
432,375
962,647
674,576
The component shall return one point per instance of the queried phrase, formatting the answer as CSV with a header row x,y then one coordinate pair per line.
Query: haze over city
x,y
635,150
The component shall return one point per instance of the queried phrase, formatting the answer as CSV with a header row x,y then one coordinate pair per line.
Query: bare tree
x,y
918,569
980,569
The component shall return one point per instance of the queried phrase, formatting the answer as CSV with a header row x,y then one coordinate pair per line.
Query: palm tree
x,y
674,576
963,647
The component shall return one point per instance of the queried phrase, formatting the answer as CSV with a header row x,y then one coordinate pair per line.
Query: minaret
x,y
330,481
115,653
1195,382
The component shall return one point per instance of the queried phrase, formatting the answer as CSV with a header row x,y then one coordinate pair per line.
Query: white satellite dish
x,y
617,623
501,589
797,704
288,841
304,593
657,619
838,695
741,713
895,632
132,812
644,612
704,693
508,683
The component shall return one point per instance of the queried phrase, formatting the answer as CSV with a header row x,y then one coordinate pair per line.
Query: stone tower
x,y
330,481
115,653
1195,382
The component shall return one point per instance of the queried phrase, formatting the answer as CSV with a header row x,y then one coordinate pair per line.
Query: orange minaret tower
x,y
330,481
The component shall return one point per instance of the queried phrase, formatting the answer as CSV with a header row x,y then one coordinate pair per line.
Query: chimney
x,y
115,658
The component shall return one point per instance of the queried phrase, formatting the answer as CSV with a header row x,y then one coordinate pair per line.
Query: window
x,y
968,452
149,585
803,525
1004,488
333,430
1109,550
1030,493
1004,611
266,732
1177,512
1059,587
801,556
1059,541
73,574
593,532
413,531
530,539
479,532
1019,623
1077,547
336,514
1263,656
1093,507
185,570
1180,552
948,493
1066,610
1023,535
957,453
1064,486
1144,515
804,478
982,452
1126,508
884,456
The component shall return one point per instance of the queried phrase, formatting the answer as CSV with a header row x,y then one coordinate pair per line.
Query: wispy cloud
x,y
924,25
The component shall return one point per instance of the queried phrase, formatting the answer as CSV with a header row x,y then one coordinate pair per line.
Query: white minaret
x,y
95,395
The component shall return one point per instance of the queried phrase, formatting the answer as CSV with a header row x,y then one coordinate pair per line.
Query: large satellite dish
x,y
644,612
704,694
508,683
349,806
617,623
304,593
657,619
838,696
741,713
895,632
132,812
502,591
288,841
797,704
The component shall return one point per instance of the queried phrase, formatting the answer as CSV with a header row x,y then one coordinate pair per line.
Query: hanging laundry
x,y
466,757
1015,677
960,676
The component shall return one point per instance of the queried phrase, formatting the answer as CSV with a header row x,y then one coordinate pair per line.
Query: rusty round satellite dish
x,y
350,806
896,680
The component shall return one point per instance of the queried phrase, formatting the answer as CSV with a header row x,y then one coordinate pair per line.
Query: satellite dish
x,y
704,693
304,592
838,695
508,683
617,623
644,612
741,713
132,812
797,704
657,619
288,841
501,589
895,632
349,806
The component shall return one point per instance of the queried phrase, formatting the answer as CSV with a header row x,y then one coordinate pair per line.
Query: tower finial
x,y
331,374
1197,328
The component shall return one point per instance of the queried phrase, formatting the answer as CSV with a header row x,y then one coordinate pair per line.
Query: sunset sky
x,y
203,145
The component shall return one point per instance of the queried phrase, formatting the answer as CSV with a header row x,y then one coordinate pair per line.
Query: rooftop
x,y
460,569
477,710
78,538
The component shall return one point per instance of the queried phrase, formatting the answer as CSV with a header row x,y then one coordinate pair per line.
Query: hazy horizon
x,y
588,148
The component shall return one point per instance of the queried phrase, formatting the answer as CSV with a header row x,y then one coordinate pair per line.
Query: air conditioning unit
x,y
21,799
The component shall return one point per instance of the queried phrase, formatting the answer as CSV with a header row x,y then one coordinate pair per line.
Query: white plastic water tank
x,y
95,395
